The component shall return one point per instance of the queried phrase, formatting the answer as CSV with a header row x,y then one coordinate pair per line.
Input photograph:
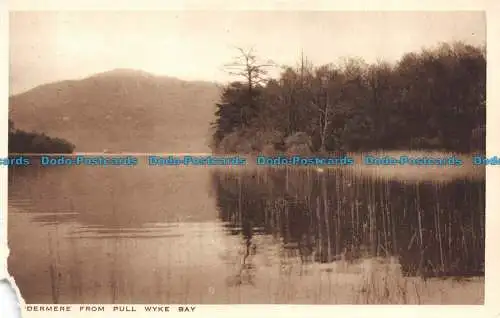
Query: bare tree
x,y
324,105
325,113
248,66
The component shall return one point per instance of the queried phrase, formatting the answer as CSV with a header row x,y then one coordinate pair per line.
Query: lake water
x,y
218,236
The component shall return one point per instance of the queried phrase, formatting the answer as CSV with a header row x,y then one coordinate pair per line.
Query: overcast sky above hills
x,y
52,46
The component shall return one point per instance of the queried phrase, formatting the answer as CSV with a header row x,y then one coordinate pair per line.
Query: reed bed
x,y
435,228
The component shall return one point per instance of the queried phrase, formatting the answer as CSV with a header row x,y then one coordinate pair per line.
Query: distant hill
x,y
120,111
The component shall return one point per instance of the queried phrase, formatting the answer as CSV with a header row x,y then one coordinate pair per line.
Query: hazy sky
x,y
51,46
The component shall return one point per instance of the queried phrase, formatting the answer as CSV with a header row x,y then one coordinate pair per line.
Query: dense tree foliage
x,y
31,142
431,100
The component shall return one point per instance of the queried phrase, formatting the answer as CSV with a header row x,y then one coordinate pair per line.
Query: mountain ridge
x,y
129,110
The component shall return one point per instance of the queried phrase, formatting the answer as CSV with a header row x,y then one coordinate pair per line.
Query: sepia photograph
x,y
247,157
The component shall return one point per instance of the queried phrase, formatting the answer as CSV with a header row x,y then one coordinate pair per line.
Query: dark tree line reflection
x,y
433,228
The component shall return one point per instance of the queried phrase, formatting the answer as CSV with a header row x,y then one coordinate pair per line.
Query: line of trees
x,y
323,216
434,99
32,142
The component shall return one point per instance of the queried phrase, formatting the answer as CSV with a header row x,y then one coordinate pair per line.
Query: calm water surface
x,y
199,235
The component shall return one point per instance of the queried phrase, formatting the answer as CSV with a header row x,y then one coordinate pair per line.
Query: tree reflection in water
x,y
431,228
246,268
